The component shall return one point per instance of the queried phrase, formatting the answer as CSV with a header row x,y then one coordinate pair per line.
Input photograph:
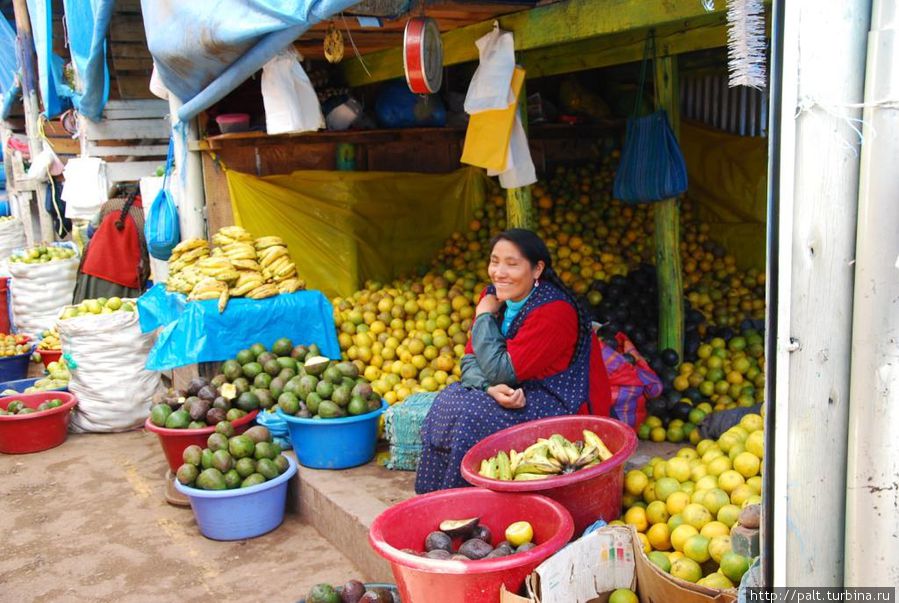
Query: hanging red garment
x,y
115,255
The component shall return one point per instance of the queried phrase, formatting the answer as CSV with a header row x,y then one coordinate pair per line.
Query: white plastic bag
x,y
85,189
491,85
109,353
291,104
12,236
40,292
521,171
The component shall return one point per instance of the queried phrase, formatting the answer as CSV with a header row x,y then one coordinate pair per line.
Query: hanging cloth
x,y
652,166
114,252
489,132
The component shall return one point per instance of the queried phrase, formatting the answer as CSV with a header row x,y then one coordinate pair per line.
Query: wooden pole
x,y
519,208
32,111
667,224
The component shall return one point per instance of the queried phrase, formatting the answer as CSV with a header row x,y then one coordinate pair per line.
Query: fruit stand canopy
x,y
203,50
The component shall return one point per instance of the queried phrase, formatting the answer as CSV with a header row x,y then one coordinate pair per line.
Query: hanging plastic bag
x,y
652,166
162,229
489,132
489,89
85,189
107,354
520,171
291,104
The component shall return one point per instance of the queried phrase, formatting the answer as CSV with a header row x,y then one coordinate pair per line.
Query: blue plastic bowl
x,y
20,385
241,513
13,368
334,443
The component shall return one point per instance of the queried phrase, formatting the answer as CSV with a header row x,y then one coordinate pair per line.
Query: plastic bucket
x,y
243,512
334,443
20,385
48,356
174,441
21,434
421,580
589,494
13,368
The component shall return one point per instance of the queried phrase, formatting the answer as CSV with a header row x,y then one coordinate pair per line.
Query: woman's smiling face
x,y
511,273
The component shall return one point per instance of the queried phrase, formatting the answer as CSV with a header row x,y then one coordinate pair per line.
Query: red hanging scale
x,y
423,55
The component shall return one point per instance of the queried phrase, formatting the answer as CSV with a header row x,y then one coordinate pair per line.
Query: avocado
x,y
341,395
245,467
267,468
299,353
325,389
232,479
179,419
287,362
438,540
248,401
272,368
258,433
347,369
262,381
329,410
323,593
222,461
241,446
214,416
159,414
313,401
192,454
241,384
187,474
289,403
199,409
363,390
316,365
286,374
234,414
206,459
357,406
264,450
231,369
257,349
264,357
211,479
218,381
266,399
276,387
333,375
225,428
222,403
207,392
282,463
195,385
244,357
282,347
197,425
217,441
253,479
306,385
251,369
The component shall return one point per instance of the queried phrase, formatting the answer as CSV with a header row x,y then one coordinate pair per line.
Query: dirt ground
x,y
88,521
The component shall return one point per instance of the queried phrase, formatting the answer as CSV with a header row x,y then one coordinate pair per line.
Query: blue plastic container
x,y
13,368
334,443
20,385
241,513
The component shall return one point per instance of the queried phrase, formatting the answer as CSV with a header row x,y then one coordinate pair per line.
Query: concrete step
x,y
342,505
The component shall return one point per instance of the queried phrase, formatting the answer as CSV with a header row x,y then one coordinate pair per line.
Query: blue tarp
x,y
9,91
87,22
203,50
54,91
196,332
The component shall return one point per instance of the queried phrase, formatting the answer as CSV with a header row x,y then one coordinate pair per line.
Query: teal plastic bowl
x,y
241,513
334,443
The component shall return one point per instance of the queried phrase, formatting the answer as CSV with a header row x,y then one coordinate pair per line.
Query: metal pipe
x,y
819,192
872,520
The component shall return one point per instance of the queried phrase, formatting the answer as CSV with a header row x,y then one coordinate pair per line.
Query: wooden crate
x,y
132,138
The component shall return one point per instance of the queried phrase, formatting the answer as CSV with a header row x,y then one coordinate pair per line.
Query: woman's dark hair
x,y
534,250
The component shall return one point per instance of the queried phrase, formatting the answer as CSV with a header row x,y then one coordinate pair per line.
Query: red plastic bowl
x,y
174,441
48,356
21,434
423,580
589,494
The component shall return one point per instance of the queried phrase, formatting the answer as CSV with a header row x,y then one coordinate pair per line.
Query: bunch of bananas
x,y
277,267
49,341
547,457
238,266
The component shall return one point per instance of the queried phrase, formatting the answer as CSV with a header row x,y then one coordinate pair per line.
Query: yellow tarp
x,y
728,181
343,228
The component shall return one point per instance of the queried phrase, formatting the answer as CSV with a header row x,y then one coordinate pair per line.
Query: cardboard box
x,y
590,568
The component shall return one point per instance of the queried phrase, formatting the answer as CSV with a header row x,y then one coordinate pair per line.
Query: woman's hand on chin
x,y
489,304
506,396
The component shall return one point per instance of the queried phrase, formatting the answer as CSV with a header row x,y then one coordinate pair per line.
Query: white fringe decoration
x,y
746,46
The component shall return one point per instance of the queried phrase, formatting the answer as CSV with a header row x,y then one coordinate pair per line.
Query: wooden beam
x,y
519,205
618,49
667,224
560,23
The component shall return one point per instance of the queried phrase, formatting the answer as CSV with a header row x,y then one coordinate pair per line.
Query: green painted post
x,y
519,206
667,224
346,157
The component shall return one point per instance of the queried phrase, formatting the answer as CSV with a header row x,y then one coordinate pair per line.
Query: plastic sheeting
x,y
343,228
54,92
203,50
728,181
195,332
87,22
8,67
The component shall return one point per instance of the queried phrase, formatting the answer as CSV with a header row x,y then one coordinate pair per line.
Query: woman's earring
x,y
536,283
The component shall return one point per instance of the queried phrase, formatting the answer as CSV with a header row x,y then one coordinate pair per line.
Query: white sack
x,y
40,292
109,353
85,189
12,236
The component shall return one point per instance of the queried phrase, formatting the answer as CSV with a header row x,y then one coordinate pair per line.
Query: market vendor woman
x,y
532,354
